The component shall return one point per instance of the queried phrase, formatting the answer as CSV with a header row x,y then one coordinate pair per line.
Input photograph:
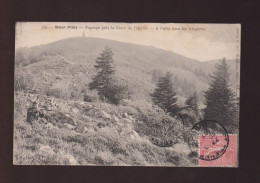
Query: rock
x,y
106,115
90,112
71,159
79,105
98,114
47,149
88,107
75,111
81,102
125,115
116,119
140,122
135,135
49,125
72,127
58,117
79,128
130,117
119,116
127,120
110,131
89,130
125,129
75,132
43,120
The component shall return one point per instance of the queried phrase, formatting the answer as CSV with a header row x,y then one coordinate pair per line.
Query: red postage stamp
x,y
218,150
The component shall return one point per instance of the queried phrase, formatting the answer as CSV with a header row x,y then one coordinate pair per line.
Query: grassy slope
x,y
113,144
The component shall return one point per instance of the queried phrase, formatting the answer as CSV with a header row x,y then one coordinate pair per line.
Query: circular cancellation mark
x,y
209,139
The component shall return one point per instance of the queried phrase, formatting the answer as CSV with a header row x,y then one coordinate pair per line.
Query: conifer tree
x,y
107,86
220,98
103,79
164,95
192,103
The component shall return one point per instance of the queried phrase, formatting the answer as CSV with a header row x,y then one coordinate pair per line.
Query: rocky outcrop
x,y
106,115
46,149
116,119
135,136
67,157
71,160
49,125
69,126
60,118
125,115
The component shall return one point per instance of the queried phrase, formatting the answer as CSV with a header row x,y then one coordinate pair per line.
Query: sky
x,y
202,42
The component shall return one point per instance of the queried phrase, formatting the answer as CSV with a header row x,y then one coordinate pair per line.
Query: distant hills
x,y
72,61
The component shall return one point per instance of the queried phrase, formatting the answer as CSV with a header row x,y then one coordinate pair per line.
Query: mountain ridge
x,y
135,64
110,40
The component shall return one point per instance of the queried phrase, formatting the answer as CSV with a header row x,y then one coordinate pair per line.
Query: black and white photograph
x,y
126,94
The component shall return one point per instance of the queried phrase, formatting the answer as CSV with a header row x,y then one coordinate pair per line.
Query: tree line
x,y
220,100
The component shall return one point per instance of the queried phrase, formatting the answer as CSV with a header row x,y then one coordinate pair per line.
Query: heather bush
x,y
23,81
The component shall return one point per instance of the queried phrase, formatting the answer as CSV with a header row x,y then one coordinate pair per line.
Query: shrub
x,y
54,92
115,92
90,96
23,81
59,90
19,107
156,123
127,109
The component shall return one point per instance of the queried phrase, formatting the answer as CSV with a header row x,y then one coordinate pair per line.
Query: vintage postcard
x,y
126,94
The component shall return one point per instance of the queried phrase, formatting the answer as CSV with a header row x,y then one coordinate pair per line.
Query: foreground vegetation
x,y
105,135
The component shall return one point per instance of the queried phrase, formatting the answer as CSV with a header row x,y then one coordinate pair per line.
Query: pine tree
x,y
103,79
192,103
164,95
220,98
107,86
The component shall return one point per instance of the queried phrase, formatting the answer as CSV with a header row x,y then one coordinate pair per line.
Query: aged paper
x,y
126,94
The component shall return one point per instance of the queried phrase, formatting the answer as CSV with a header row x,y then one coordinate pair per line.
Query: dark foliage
x,y
220,100
164,95
192,103
104,81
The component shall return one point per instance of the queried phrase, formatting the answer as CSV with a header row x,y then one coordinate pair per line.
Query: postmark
x,y
209,139
163,134
162,142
